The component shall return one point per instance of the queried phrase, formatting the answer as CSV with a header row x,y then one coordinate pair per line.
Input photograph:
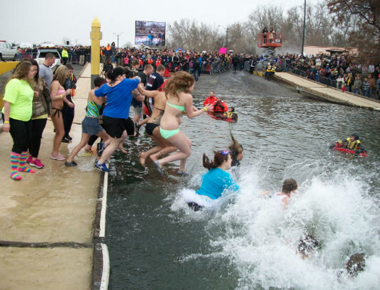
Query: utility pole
x,y
227,38
304,27
118,35
226,34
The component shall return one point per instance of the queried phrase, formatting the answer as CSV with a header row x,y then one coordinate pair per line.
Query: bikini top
x,y
60,92
180,108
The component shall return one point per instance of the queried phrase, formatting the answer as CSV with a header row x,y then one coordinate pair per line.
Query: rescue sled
x,y
348,151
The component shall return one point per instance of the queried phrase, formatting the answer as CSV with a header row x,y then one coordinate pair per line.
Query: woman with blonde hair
x,y
17,113
58,97
179,101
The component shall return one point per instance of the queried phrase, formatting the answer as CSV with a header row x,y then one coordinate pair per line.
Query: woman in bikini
x,y
152,127
58,97
179,101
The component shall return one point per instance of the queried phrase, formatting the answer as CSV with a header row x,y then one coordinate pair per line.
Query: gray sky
x,y
42,20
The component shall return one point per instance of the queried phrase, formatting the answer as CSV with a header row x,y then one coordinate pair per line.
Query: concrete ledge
x,y
7,66
101,267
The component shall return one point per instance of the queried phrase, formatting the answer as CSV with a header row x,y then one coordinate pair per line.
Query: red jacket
x,y
210,100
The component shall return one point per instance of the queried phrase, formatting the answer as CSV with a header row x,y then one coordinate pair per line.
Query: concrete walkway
x,y
46,219
327,93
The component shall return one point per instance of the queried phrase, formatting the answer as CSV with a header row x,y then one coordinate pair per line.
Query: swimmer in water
x,y
288,189
355,265
214,182
236,151
306,246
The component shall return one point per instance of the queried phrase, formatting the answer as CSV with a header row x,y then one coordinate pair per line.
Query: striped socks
x,y
14,166
22,165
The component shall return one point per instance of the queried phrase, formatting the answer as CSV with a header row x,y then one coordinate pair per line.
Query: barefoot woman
x,y
179,101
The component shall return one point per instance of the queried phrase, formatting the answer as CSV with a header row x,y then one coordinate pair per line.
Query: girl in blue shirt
x,y
215,181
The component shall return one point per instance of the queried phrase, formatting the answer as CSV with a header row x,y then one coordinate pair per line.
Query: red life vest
x,y
220,107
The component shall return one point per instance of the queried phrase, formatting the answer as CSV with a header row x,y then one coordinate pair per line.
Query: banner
x,y
223,50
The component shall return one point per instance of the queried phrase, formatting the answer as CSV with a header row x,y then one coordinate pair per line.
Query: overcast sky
x,y
42,20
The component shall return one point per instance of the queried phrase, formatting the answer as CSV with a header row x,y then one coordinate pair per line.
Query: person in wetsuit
x,y
352,143
210,100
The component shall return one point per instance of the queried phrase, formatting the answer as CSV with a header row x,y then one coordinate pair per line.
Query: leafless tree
x,y
367,35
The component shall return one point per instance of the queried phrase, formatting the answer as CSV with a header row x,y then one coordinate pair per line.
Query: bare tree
x,y
189,34
324,26
367,37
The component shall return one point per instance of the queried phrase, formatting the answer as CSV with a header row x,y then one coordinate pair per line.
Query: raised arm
x,y
190,112
149,94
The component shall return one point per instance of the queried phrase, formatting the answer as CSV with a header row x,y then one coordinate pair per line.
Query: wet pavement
x,y
46,219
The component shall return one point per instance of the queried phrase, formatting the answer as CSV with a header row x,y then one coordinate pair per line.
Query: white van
x,y
42,52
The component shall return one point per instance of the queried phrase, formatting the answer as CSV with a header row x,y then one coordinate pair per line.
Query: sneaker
x,y
65,140
68,137
59,157
182,173
29,160
100,148
101,167
71,164
36,163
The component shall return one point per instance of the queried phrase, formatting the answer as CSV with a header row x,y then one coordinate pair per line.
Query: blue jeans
x,y
355,91
366,93
196,74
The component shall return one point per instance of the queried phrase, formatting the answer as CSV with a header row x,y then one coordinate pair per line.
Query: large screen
x,y
150,33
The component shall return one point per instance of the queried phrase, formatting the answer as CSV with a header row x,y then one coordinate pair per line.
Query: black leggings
x,y
38,126
68,118
20,132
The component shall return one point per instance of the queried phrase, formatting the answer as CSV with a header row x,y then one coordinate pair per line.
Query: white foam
x,y
260,238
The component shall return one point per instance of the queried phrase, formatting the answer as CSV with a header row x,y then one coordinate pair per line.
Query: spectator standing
x,y
144,75
372,86
154,83
365,88
41,111
65,55
67,111
17,113
58,97
357,85
45,69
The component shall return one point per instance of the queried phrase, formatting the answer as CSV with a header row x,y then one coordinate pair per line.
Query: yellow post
x,y
96,36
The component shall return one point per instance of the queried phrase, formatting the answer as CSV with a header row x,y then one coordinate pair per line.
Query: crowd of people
x,y
341,71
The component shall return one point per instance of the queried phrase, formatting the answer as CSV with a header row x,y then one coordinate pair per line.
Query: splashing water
x,y
260,238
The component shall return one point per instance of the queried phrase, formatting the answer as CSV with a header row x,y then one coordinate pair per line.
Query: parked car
x,y
6,51
42,52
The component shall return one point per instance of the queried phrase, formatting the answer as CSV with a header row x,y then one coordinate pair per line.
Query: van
x,y
42,52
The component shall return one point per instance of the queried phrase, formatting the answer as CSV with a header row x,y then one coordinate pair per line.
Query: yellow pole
x,y
96,36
